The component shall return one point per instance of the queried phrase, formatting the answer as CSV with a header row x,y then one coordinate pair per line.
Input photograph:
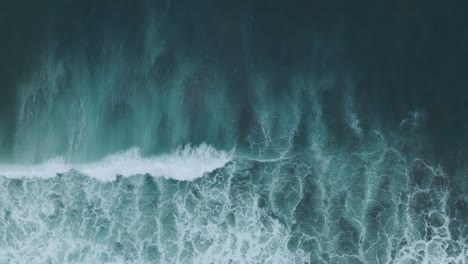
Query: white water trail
x,y
186,164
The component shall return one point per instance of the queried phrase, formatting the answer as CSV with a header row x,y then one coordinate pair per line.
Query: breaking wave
x,y
186,164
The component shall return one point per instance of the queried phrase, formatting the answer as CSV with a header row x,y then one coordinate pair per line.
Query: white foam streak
x,y
187,163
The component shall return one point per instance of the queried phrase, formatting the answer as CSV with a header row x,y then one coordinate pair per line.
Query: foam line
x,y
186,163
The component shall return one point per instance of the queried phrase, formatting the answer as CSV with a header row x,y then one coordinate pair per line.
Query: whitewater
x,y
185,164
202,205
247,131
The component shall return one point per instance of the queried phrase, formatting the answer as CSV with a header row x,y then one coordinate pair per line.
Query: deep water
x,y
233,132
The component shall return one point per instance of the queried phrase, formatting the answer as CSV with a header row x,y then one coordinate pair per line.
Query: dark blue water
x,y
233,132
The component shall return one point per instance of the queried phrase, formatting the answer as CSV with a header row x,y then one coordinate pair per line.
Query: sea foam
x,y
185,163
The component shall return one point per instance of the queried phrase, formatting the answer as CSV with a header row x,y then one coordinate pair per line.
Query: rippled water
x,y
233,132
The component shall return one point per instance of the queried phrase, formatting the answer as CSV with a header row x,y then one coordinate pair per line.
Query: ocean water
x,y
233,132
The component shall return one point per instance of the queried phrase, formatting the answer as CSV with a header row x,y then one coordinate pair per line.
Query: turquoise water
x,y
374,205
233,132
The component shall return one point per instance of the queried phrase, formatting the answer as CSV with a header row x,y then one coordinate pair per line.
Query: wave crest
x,y
185,163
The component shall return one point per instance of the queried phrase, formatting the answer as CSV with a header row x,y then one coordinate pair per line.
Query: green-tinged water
x,y
373,205
242,131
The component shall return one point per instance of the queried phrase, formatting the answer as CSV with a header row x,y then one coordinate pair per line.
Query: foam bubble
x,y
186,163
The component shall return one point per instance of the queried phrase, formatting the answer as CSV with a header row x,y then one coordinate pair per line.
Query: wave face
x,y
310,133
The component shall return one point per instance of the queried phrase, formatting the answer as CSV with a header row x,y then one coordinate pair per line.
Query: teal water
x,y
374,205
233,132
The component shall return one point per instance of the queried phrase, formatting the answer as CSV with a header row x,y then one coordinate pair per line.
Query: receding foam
x,y
186,163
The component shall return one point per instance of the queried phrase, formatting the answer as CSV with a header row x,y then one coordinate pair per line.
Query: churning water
x,y
233,132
